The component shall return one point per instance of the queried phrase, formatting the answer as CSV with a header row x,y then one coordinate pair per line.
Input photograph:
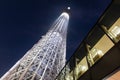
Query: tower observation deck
x,y
46,58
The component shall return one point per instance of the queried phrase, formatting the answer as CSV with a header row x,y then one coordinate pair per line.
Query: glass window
x,y
80,61
68,71
99,45
81,52
81,68
113,31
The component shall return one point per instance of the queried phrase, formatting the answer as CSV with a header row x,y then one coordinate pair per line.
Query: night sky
x,y
23,22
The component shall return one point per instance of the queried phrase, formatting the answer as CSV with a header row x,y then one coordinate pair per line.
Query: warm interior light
x,y
81,67
69,77
96,52
114,31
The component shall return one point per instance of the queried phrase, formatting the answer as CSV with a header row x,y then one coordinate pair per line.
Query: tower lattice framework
x,y
46,58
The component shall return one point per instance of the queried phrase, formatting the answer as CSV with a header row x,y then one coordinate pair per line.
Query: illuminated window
x,y
94,55
69,76
99,49
113,31
69,73
81,67
116,31
98,43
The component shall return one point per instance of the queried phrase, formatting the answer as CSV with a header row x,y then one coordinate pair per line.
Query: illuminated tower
x,y
46,58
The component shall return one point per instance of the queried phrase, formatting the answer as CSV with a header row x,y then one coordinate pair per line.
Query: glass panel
x,y
99,49
81,68
81,52
94,55
81,62
101,45
94,36
68,71
113,31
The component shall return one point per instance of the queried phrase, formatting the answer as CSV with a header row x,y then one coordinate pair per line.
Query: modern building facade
x,y
46,58
98,56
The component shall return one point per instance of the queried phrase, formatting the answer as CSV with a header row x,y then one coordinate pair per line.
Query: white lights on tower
x,y
46,58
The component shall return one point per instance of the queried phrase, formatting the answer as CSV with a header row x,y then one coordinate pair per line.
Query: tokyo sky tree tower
x,y
46,58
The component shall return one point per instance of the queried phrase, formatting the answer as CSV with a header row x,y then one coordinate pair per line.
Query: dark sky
x,y
23,22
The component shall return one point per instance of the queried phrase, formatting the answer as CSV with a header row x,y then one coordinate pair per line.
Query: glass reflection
x,y
81,68
94,55
114,31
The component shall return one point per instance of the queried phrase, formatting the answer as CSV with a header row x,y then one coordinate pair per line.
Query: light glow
x,y
68,8
116,31
65,15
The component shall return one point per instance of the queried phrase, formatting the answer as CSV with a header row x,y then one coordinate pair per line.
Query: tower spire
x,y
46,58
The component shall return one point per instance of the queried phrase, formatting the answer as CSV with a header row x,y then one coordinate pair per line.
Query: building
x,y
98,56
46,58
